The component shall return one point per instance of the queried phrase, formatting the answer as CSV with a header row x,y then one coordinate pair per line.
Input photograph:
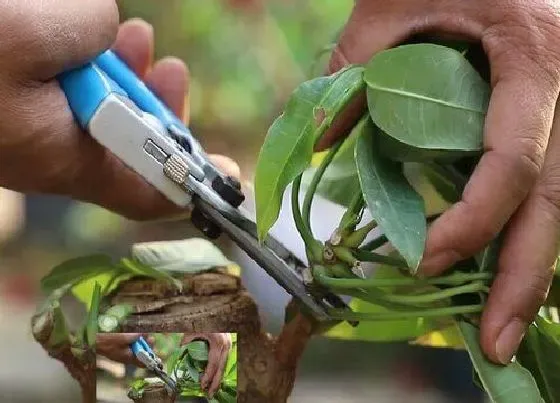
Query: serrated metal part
x,y
176,169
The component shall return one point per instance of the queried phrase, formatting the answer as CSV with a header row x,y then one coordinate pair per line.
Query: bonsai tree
x,y
405,161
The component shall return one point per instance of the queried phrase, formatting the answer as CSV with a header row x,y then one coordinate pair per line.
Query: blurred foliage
x,y
245,57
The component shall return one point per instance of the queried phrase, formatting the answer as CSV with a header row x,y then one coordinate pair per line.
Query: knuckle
x,y
524,36
547,193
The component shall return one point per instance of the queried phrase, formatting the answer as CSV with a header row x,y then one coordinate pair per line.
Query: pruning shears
x,y
144,353
115,107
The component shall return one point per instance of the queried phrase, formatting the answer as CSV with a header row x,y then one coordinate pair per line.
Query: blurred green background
x,y
245,58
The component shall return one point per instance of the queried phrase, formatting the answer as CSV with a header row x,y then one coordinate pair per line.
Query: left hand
x,y
220,345
116,346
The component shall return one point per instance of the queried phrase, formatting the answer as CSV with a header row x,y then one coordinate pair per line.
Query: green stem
x,y
349,219
378,297
355,239
368,256
437,295
372,282
308,200
310,243
375,243
342,314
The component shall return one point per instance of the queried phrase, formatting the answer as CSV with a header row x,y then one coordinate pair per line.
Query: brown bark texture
x,y
82,369
217,302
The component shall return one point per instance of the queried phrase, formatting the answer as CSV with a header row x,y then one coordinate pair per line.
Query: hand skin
x,y
116,346
42,150
516,185
220,345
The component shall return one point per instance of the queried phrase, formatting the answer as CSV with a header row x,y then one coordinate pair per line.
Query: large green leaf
x,y
288,147
75,270
198,350
504,384
188,255
427,96
540,353
391,200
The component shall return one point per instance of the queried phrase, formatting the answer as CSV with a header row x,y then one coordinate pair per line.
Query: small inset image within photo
x,y
167,367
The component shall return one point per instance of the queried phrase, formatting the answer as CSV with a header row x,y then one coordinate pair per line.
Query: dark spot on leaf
x,y
319,115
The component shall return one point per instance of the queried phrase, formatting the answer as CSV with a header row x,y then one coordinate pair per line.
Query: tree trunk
x,y
216,302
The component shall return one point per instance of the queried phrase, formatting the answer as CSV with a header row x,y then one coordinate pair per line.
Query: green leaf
x,y
427,96
436,174
392,202
91,320
553,298
398,151
230,371
188,255
76,270
191,369
83,290
504,384
288,146
540,353
198,350
140,269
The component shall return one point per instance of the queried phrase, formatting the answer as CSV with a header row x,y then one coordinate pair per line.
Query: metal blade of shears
x,y
275,259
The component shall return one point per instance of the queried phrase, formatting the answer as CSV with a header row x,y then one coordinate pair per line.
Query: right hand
x,y
42,149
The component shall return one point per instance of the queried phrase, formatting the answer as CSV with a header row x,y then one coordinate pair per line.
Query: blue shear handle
x,y
139,345
137,91
87,87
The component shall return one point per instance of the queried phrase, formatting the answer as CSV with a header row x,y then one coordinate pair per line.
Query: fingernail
x,y
509,340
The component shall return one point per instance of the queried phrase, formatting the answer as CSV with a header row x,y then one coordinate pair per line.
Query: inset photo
x,y
167,367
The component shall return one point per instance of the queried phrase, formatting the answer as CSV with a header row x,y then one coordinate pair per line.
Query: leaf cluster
x,y
416,144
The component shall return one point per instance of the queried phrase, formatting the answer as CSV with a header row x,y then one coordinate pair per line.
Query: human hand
x,y
219,347
42,150
116,346
516,184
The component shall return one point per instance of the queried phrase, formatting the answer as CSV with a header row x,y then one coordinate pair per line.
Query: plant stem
x,y
437,295
308,200
350,217
310,243
355,239
342,314
372,282
375,243
368,256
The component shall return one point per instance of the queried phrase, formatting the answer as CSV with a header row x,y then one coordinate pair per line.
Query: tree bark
x,y
217,302
82,369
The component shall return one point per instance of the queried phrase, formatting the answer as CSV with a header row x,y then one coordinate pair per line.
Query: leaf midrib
x,y
408,94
